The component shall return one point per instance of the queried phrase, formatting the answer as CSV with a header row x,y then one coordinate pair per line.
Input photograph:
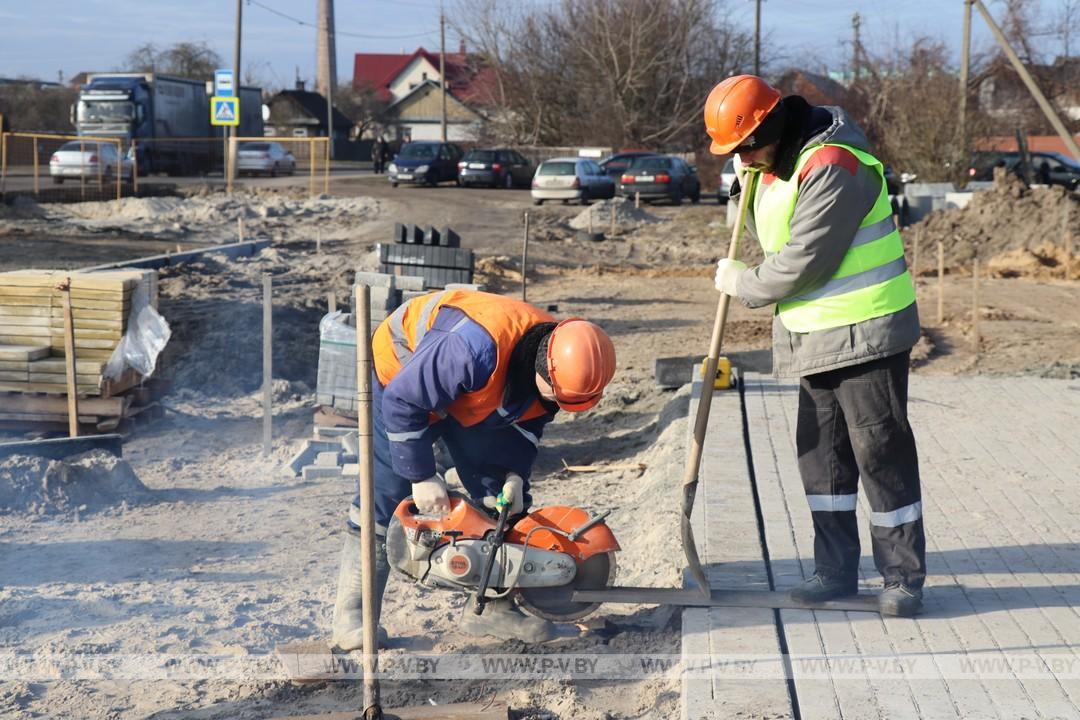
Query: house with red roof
x,y
413,87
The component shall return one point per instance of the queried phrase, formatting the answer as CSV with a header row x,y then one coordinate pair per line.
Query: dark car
x,y
498,167
616,164
661,177
1047,168
424,163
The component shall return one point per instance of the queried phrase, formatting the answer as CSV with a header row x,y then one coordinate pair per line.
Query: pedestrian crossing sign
x,y
224,111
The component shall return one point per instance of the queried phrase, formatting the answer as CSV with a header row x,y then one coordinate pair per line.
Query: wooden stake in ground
x,y
525,258
940,283
1066,239
331,302
975,307
69,358
637,200
239,229
915,247
362,303
268,364
612,218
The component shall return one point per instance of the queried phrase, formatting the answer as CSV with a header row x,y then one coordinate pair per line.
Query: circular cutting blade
x,y
554,603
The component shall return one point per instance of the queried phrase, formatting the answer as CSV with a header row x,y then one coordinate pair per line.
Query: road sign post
x,y
224,111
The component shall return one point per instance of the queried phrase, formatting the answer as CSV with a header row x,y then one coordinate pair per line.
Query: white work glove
x,y
513,494
727,274
430,496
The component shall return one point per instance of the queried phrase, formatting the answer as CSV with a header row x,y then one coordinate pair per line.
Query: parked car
x,y
498,168
271,158
424,162
570,178
727,179
1047,168
661,177
617,164
90,160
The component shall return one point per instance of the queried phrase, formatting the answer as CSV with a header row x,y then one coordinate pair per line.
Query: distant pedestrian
x,y
379,155
844,324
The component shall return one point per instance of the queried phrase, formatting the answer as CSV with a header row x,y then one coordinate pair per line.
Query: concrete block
x,y
464,286
409,283
330,458
350,470
416,235
311,450
673,372
373,279
449,238
432,236
334,434
313,472
407,295
957,199
401,232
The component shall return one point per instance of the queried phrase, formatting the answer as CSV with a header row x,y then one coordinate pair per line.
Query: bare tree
x,y
905,102
610,72
1068,20
364,107
195,60
29,107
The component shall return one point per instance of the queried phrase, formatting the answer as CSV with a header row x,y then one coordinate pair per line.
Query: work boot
x,y
348,627
900,600
819,588
504,620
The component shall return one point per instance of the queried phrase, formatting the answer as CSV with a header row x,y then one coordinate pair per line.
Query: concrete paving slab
x,y
999,638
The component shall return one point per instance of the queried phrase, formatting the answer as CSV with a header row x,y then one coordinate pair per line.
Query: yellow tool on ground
x,y
722,381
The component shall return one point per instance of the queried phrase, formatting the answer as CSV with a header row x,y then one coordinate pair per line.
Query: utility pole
x,y
326,51
231,162
855,46
757,37
1033,88
442,67
965,68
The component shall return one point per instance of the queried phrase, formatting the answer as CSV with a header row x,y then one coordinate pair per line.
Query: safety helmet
x,y
734,110
581,362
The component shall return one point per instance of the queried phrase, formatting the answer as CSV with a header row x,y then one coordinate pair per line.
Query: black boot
x,y
899,600
819,588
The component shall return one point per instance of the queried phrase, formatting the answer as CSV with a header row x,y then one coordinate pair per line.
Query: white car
x,y
90,160
727,179
570,178
264,157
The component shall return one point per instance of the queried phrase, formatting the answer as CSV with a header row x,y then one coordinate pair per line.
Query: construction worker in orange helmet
x,y
844,325
483,374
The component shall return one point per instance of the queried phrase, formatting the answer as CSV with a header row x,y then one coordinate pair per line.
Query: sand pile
x,y
626,215
1012,227
83,483
210,217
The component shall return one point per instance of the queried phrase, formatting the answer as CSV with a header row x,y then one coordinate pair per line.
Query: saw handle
x,y
485,575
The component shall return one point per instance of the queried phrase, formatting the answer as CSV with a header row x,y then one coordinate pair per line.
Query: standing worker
x,y
484,373
379,151
844,324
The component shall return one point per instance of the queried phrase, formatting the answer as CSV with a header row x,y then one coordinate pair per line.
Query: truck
x,y
163,115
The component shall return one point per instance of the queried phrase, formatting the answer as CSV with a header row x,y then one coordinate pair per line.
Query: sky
x,y
45,37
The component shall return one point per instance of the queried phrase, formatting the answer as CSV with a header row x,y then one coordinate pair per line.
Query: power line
x,y
298,21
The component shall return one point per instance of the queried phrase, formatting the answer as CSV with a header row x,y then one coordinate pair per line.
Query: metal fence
x,y
62,167
67,168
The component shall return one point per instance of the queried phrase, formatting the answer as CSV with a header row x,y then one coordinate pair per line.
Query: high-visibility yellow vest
x,y
872,280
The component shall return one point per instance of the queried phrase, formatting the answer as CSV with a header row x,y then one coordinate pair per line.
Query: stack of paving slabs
x,y
32,356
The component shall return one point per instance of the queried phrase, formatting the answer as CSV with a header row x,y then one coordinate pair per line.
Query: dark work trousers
x,y
853,423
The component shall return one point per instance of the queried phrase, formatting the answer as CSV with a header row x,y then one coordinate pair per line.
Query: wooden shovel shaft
x,y
367,495
701,421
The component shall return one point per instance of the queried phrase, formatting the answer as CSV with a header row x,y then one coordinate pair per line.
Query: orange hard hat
x,y
735,108
581,362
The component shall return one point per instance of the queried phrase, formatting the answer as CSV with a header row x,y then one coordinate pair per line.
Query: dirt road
x,y
226,556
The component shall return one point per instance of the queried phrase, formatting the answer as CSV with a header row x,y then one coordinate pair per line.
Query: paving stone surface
x,y
1000,466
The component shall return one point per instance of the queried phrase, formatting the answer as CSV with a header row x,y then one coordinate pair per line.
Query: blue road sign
x,y
223,83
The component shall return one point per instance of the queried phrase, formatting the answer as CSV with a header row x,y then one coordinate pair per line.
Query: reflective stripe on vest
x,y
872,280
504,319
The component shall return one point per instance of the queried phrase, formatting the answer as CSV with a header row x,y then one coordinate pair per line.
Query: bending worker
x,y
484,373
844,324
